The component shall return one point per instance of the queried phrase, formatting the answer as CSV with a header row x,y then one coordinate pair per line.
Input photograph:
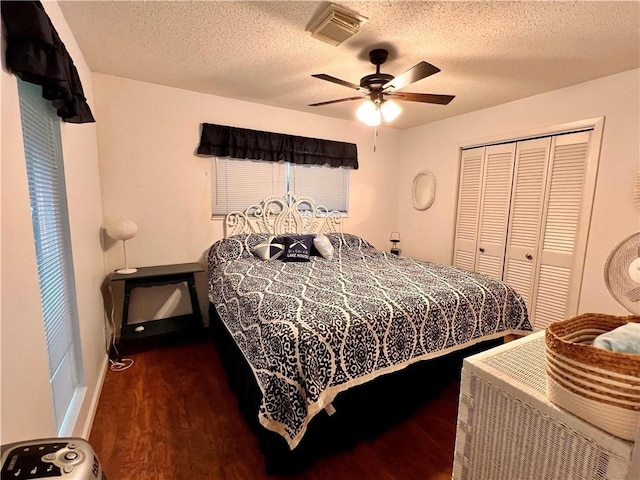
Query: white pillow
x,y
323,245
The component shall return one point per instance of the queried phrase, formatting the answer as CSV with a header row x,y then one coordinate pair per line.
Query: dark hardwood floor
x,y
172,416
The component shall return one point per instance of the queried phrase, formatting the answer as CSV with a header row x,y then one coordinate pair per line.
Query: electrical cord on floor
x,y
122,363
119,365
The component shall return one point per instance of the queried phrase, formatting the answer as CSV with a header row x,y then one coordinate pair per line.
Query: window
x,y
237,184
47,194
327,186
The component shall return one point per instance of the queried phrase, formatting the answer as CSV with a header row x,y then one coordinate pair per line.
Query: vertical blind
x,y
237,184
47,193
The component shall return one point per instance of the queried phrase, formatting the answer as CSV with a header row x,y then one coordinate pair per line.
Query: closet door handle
x,y
528,256
481,249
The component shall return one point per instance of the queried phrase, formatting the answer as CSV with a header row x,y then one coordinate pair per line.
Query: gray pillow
x,y
323,245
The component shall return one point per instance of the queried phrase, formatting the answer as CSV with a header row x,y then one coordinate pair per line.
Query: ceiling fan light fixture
x,y
369,113
390,110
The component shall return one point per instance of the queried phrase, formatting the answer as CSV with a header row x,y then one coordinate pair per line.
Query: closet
x,y
523,217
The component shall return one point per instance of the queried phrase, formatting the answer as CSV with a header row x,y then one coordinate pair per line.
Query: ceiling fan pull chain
x,y
375,138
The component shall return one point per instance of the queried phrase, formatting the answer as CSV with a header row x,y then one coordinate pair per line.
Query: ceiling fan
x,y
378,86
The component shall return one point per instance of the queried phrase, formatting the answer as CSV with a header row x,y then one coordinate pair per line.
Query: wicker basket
x,y
598,385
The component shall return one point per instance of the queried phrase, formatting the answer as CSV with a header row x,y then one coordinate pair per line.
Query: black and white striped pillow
x,y
270,249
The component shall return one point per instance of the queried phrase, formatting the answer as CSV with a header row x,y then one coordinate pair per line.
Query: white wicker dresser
x,y
508,430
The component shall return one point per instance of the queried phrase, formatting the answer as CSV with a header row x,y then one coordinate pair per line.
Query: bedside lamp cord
x,y
124,363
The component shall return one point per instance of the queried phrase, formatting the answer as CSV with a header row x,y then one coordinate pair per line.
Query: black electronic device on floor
x,y
50,458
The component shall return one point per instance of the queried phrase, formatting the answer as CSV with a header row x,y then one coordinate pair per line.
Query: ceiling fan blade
x,y
344,83
424,97
329,102
415,73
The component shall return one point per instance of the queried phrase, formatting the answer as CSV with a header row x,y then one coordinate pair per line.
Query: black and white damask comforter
x,y
310,330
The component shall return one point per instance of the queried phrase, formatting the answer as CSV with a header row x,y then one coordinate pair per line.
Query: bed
x,y
297,336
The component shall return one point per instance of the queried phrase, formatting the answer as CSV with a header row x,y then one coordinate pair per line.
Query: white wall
x,y
429,235
26,405
147,137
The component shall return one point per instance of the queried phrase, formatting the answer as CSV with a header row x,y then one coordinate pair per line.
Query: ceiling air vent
x,y
336,24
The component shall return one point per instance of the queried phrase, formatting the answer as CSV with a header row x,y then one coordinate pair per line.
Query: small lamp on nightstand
x,y
124,230
395,240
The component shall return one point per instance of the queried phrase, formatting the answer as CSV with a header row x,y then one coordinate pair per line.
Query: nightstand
x,y
164,327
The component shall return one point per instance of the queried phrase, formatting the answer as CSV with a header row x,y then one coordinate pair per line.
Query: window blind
x,y
327,186
47,193
237,184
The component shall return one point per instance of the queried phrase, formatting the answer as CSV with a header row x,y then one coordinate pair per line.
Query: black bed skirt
x,y
361,412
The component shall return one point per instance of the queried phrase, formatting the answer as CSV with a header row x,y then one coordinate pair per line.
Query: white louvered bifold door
x,y
494,209
555,283
527,201
469,193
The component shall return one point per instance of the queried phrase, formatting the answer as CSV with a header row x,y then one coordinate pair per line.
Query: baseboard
x,y
85,431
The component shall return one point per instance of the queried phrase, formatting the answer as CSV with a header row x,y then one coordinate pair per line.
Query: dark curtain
x,y
224,141
36,54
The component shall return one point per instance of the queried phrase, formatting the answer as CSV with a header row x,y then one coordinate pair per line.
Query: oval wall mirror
x,y
636,192
424,190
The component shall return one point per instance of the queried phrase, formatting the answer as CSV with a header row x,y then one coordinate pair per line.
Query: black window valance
x,y
36,54
224,141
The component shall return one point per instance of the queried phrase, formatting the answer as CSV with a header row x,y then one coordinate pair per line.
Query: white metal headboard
x,y
279,215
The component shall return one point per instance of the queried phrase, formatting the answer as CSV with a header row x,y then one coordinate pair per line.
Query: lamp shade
x,y
390,110
123,230
369,113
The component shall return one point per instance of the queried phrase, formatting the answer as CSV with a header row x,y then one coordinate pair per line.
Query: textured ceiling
x,y
489,52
